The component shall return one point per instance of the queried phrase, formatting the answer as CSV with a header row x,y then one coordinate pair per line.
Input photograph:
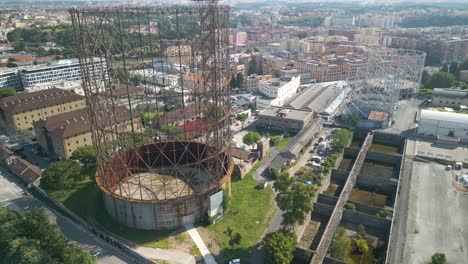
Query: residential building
x,y
10,78
437,123
250,83
60,135
62,70
22,110
449,97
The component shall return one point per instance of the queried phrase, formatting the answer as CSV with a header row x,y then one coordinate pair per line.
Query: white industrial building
x,y
277,91
437,123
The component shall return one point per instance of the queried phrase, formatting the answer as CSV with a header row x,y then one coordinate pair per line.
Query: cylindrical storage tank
x,y
156,81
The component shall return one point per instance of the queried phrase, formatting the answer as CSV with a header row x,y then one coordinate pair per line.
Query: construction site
x,y
170,165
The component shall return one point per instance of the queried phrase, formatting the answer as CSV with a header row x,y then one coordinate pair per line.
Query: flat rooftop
x,y
290,114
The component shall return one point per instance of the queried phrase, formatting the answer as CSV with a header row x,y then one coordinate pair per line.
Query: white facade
x,y
278,90
63,70
10,78
436,123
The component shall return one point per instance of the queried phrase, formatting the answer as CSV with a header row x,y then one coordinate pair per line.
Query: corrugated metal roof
x,y
444,116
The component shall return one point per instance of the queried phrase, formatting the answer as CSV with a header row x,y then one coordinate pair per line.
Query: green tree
x,y
61,175
438,258
273,173
350,206
240,80
251,106
7,91
242,117
425,78
362,231
444,68
341,139
341,244
351,121
233,83
172,132
279,247
85,154
362,246
294,199
455,70
26,251
464,65
251,138
441,80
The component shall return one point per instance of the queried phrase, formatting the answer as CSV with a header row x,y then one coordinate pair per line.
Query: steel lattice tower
x,y
389,75
160,110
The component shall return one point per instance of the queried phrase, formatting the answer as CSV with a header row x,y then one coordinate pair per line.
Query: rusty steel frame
x,y
142,48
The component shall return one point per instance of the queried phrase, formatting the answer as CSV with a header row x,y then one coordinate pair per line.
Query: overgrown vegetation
x,y
279,247
32,239
293,198
249,214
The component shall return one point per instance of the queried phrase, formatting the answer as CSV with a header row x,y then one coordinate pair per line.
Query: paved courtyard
x,y
437,216
432,150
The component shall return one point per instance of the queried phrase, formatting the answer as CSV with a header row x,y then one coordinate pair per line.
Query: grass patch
x,y
384,148
281,142
85,200
249,215
195,251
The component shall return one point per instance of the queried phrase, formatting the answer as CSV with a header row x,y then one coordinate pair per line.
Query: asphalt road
x,y
14,196
404,116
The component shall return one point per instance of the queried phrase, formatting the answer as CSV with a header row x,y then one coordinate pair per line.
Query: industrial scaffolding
x,y
159,111
389,75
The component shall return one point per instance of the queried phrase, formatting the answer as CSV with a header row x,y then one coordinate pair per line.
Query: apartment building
x,y
60,135
19,112
62,70
10,78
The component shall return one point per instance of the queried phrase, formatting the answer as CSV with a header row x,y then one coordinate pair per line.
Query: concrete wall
x,y
366,220
383,186
376,156
327,199
366,209
330,260
154,216
323,209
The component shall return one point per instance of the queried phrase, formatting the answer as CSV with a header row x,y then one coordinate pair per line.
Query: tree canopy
x,y
242,117
85,154
279,247
5,92
294,199
341,245
32,239
61,175
341,139
251,138
438,258
441,80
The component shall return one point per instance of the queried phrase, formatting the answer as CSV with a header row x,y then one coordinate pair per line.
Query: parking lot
x,y
437,216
